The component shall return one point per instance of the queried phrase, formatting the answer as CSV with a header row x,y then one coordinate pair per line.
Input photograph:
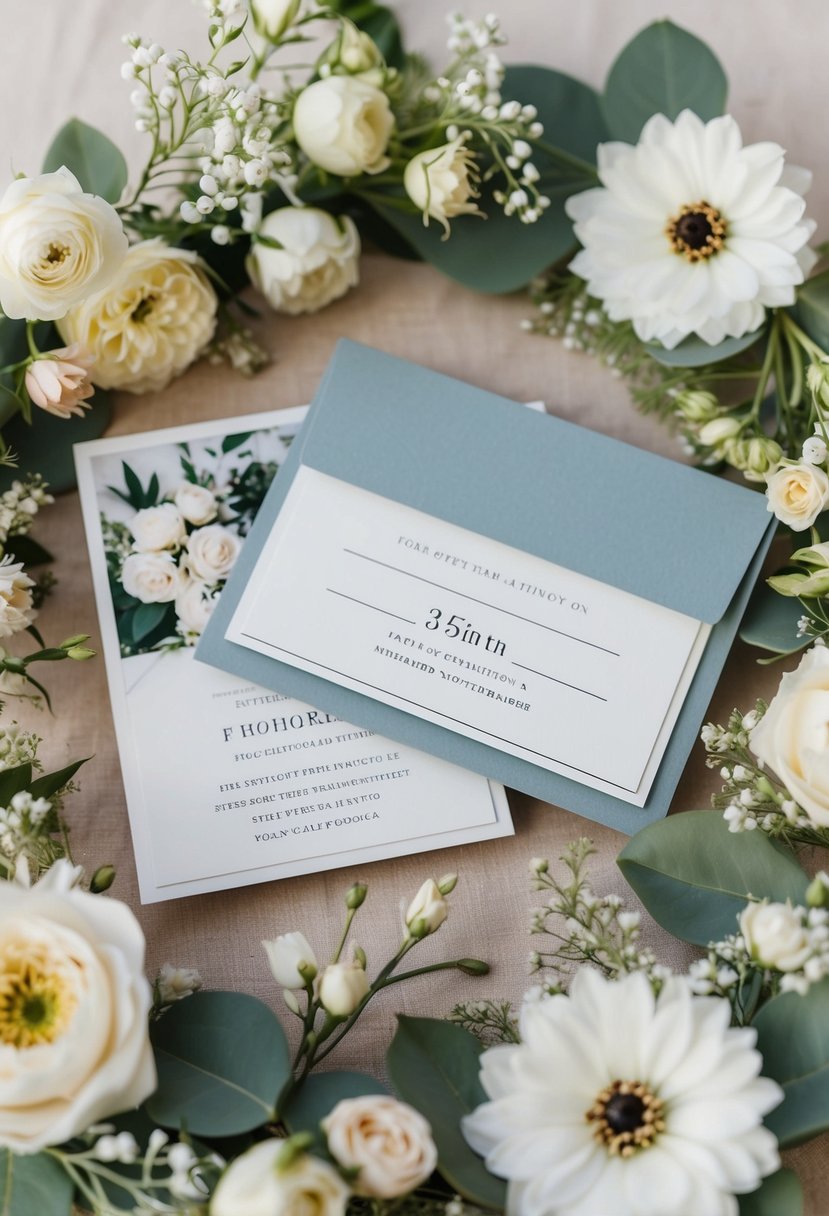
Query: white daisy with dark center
x,y
693,232
621,1103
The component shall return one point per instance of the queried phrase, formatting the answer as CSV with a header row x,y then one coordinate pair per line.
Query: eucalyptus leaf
x,y
770,621
663,70
434,1067
694,876
793,1037
499,253
317,1097
146,618
222,1060
96,162
33,1185
50,783
693,352
811,308
778,1195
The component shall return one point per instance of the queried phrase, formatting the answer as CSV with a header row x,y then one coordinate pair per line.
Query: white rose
x,y
150,323
427,911
254,1185
343,124
318,261
342,987
286,954
197,504
58,245
792,737
212,552
152,578
194,605
273,17
797,494
775,935
16,608
157,528
438,182
74,1018
389,1142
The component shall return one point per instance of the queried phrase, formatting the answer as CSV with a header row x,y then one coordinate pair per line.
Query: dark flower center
x,y
143,308
624,1112
697,232
626,1116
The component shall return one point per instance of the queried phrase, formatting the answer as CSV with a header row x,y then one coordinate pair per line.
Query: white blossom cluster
x,y
174,1168
20,504
22,824
17,747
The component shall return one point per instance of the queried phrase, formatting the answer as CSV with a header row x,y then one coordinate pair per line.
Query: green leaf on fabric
x,y
222,1060
50,783
770,621
693,352
434,1067
317,1097
96,162
28,551
811,308
13,780
779,1195
694,876
33,1184
663,70
793,1036
500,254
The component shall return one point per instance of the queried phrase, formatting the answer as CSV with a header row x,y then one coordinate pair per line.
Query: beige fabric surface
x,y
60,59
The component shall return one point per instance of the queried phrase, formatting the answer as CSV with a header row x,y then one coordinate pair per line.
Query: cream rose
x,y
254,1185
273,17
212,552
196,504
318,260
438,182
16,608
151,322
427,911
342,987
387,1141
194,605
797,494
792,737
286,954
157,528
153,578
343,124
58,245
74,1043
775,935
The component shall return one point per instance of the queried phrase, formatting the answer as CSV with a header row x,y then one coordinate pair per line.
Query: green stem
x,y
30,339
765,370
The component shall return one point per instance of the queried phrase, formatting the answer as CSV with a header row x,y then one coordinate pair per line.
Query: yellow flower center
x,y
697,232
37,994
56,254
627,1116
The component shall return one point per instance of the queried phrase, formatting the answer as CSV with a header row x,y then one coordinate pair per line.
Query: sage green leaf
x,y
793,1037
33,1185
318,1095
146,618
693,352
50,783
663,70
434,1067
92,156
46,445
694,876
13,780
499,253
778,1195
770,621
222,1060
811,308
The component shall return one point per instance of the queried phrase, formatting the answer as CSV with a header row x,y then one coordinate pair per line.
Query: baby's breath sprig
x,y
490,1021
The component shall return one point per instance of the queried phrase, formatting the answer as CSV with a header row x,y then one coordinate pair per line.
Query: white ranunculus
x,y
792,737
343,124
427,911
611,1068
342,987
254,1185
212,552
195,602
157,528
16,608
286,954
150,323
318,260
273,17
197,504
153,578
691,232
438,182
389,1142
797,494
58,245
775,935
74,1042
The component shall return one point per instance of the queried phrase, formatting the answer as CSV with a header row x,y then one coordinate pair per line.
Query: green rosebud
x,y
76,640
817,892
360,957
715,433
754,457
272,18
447,884
12,663
539,865
102,879
472,966
80,653
355,896
817,379
697,405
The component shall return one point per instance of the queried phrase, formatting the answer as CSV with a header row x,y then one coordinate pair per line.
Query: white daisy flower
x,y
620,1102
691,232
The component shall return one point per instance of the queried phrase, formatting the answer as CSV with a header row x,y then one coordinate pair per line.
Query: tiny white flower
x,y
814,450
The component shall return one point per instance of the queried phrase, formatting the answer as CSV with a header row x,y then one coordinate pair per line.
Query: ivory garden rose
x,y
195,602
152,578
212,552
343,124
157,528
17,609
255,1184
775,935
388,1141
439,182
196,503
797,493
315,258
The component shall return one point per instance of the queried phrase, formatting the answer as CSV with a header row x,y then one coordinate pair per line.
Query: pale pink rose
x,y
59,383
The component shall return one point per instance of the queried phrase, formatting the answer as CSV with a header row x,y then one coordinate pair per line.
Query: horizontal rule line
x,y
385,611
556,680
452,591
